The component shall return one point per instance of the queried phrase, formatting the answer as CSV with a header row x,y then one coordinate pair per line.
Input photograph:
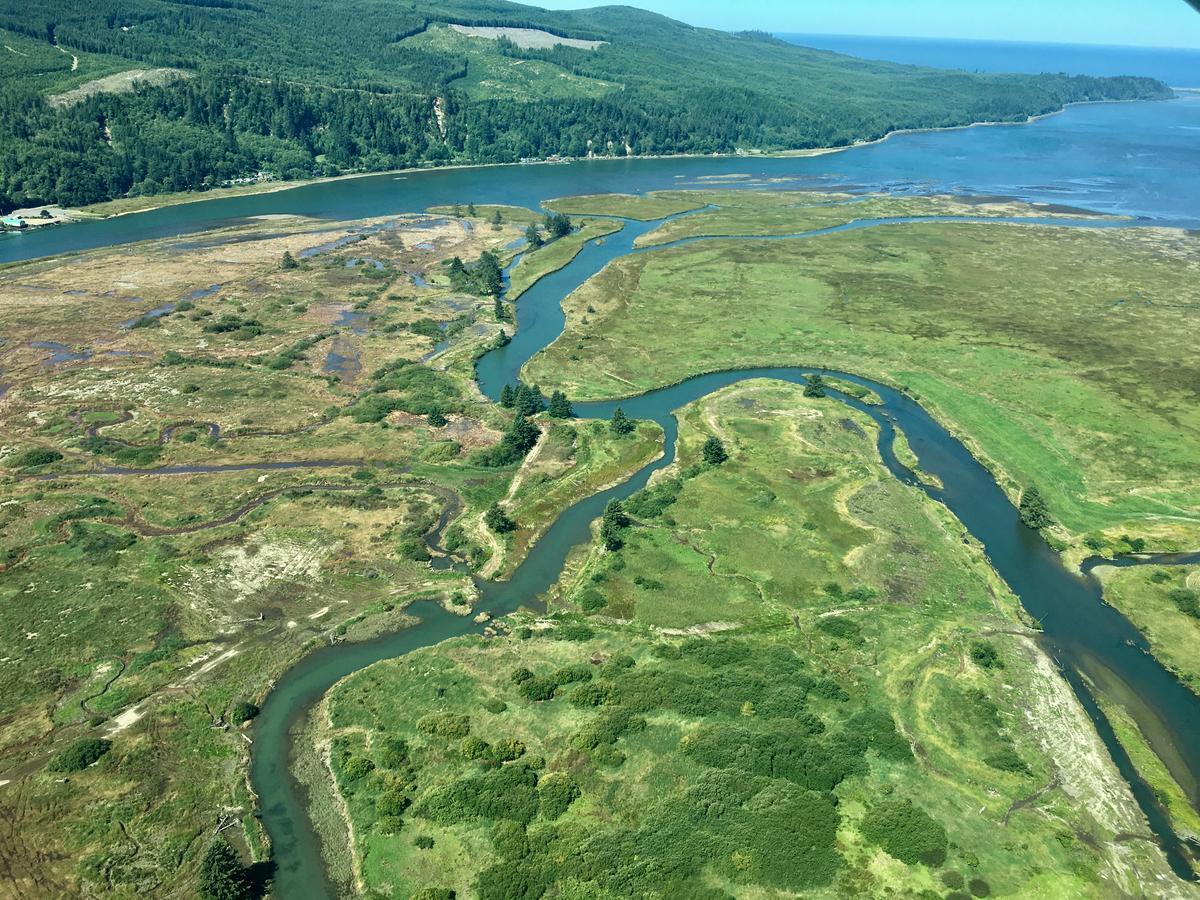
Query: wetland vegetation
x,y
851,709
294,506
774,670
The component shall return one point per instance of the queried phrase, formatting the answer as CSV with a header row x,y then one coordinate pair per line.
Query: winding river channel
x,y
1092,643
1136,159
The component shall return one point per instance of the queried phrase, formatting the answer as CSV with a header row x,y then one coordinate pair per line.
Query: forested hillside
x,y
298,89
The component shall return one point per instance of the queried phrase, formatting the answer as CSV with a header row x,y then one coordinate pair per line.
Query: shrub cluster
x,y
906,832
79,755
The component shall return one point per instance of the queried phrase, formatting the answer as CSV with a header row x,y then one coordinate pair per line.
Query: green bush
x,y
495,705
513,881
591,694
952,879
615,664
1007,759
357,767
79,755
392,803
591,600
538,688
394,754
509,840
36,456
716,653
556,792
906,832
606,729
509,792
475,748
389,824
572,632
243,711
573,673
984,655
507,749
841,627
780,752
444,724
1187,600
875,729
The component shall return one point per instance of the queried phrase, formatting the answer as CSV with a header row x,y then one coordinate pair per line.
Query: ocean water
x,y
1177,67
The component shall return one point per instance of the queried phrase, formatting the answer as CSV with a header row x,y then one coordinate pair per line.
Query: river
x,y
1135,159
1085,636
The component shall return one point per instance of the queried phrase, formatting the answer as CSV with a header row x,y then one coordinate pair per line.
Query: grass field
x,y
757,213
490,75
576,459
1063,356
731,716
644,208
1154,598
49,69
553,256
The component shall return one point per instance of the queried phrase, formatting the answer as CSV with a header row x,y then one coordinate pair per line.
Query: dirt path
x,y
526,466
74,58
489,539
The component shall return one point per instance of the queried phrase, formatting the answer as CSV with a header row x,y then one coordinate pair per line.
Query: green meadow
x,y
793,677
538,263
1062,356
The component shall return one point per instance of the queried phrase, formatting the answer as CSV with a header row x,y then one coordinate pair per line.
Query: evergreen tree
x,y
533,236
471,210
612,524
714,451
437,419
529,400
1033,509
522,435
620,423
497,220
508,397
288,261
560,406
489,274
498,520
558,225
814,386
222,876
498,310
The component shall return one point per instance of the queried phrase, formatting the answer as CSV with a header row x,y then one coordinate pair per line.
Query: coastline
x,y
275,187
1028,121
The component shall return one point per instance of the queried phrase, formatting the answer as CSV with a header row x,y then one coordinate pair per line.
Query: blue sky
x,y
1162,23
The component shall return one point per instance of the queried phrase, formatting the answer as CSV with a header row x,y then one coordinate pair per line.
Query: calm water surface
x,y
1136,158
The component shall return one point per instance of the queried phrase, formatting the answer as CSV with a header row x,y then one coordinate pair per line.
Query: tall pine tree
x,y
614,522
560,406
222,876
620,423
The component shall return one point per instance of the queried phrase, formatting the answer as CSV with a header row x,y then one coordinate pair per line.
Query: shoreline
x,y
202,196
